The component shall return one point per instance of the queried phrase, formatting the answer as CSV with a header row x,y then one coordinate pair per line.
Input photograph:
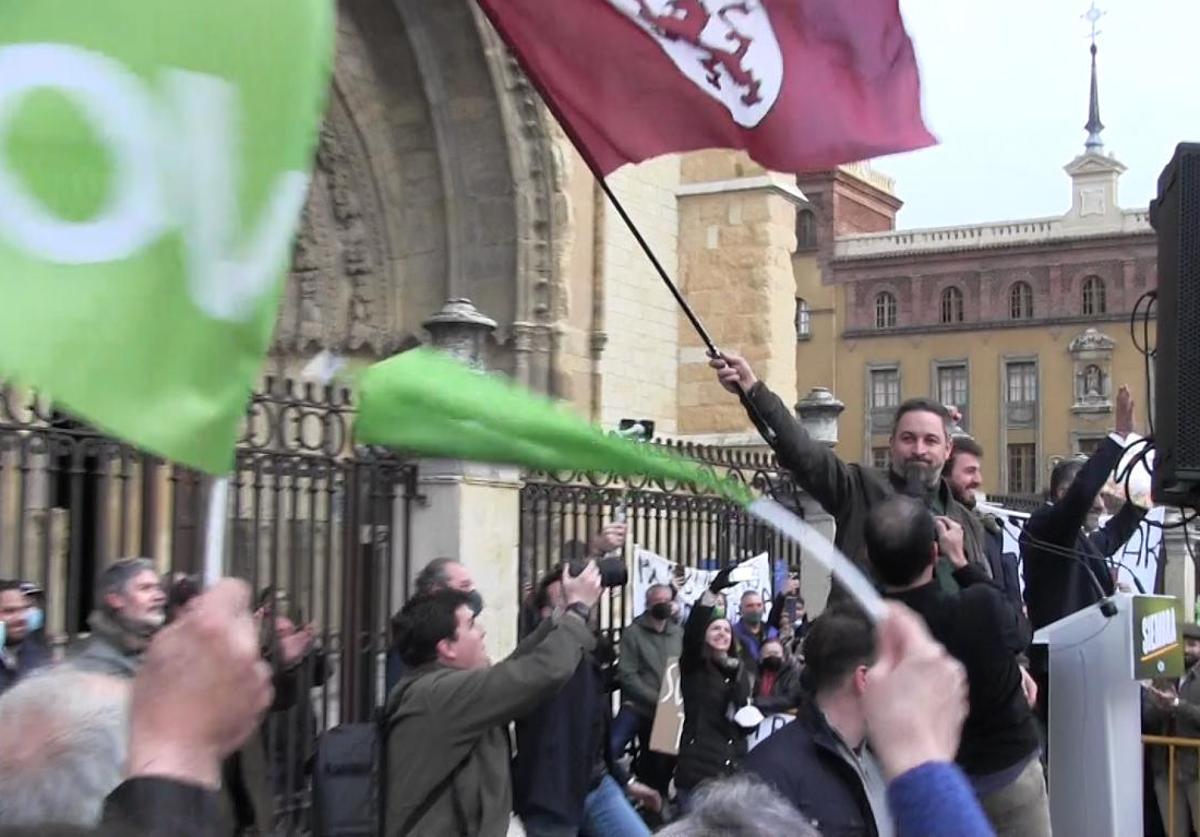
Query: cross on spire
x,y
1094,126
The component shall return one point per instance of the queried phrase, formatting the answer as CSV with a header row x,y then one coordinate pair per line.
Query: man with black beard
x,y
919,447
964,474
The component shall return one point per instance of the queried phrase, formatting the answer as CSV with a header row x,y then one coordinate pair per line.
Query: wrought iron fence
x,y
312,516
676,521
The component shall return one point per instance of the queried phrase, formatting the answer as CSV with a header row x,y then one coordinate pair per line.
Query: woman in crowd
x,y
714,684
777,688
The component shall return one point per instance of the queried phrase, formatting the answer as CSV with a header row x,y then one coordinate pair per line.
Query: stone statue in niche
x,y
1091,387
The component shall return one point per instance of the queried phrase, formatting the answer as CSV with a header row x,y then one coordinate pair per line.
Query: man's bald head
x,y
67,747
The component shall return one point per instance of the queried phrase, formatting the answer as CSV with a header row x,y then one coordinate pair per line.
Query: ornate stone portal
x,y
338,295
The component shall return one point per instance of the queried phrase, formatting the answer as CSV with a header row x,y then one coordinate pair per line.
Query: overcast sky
x,y
1005,86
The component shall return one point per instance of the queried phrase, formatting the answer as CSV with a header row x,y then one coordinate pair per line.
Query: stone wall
x,y
640,356
736,243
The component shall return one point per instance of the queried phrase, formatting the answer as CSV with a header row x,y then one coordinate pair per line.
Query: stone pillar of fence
x,y
471,512
819,412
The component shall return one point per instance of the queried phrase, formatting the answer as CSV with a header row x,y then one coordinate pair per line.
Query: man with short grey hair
x,y
130,608
71,749
739,806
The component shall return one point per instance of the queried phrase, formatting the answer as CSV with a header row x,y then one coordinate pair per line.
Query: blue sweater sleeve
x,y
934,800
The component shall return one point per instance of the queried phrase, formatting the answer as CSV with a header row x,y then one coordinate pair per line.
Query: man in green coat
x,y
447,762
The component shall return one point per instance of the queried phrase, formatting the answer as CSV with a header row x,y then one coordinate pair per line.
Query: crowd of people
x,y
932,722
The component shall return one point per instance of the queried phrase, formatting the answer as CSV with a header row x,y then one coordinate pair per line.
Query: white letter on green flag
x,y
154,159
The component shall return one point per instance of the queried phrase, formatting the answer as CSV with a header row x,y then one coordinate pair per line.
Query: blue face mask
x,y
35,618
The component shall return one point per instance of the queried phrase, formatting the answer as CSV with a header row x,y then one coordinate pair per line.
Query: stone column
x,y
472,513
818,412
736,239
460,330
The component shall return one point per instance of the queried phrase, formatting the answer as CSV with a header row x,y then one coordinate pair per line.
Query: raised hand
x,y
733,372
583,588
611,537
950,541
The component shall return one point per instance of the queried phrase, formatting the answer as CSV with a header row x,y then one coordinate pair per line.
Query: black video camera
x,y
613,572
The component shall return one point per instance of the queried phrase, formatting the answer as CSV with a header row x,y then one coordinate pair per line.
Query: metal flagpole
x,y
713,351
214,530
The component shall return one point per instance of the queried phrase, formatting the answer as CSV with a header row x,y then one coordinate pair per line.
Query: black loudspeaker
x,y
1175,216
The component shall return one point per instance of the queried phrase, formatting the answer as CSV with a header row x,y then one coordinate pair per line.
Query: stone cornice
x,y
775,183
1037,232
947,328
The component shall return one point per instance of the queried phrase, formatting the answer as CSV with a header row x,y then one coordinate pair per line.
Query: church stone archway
x,y
436,177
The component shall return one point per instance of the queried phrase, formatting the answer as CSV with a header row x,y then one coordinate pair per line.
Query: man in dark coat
x,y
920,445
565,781
21,651
1062,550
982,629
820,762
964,474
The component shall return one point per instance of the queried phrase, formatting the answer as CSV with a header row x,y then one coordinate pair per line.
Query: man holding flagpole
x,y
920,445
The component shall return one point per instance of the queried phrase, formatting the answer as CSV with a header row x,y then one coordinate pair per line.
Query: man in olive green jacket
x,y
447,748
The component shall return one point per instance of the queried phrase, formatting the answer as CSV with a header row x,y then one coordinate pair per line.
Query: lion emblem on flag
x,y
727,48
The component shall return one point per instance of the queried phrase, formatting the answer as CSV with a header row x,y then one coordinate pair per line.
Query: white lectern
x,y
1095,717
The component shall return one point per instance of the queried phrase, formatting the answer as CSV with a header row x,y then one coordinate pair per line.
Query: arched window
x,y
952,305
803,319
885,310
1094,297
806,229
1020,301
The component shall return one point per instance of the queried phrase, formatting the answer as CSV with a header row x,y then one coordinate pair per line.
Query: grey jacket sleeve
x,y
469,702
816,467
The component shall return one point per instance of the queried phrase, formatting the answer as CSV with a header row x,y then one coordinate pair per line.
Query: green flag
x,y
427,403
154,159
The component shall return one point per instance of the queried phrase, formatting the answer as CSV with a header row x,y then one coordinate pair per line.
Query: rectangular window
x,y
1022,469
1086,447
953,387
885,388
1022,382
880,458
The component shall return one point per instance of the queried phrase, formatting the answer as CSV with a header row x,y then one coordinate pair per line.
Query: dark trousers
x,y
652,769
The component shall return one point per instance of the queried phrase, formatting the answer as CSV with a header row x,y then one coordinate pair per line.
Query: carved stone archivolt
x,y
338,292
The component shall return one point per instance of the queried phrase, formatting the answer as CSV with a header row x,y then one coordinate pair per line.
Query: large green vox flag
x,y
154,159
424,402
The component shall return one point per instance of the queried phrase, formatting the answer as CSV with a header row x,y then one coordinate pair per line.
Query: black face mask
x,y
661,610
475,600
771,663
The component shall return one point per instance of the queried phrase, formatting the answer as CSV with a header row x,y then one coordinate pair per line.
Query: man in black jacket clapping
x,y
985,632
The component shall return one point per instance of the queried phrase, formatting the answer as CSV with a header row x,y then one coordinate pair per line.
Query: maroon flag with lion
x,y
799,84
